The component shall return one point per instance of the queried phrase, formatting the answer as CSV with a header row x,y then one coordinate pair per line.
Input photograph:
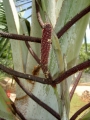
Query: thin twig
x,y
80,111
75,84
71,71
73,20
23,75
32,52
41,23
18,112
45,106
20,37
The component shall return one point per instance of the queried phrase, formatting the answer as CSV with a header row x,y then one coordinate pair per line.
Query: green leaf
x,y
43,5
58,53
6,111
4,47
25,26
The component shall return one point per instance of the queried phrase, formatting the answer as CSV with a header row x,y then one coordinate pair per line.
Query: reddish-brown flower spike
x,y
45,46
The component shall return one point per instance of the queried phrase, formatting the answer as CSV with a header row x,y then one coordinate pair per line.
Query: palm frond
x,y
5,48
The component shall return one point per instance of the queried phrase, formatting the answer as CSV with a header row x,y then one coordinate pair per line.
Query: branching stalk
x,y
71,71
59,34
22,75
80,111
75,85
45,106
41,23
63,76
32,52
18,112
73,20
20,37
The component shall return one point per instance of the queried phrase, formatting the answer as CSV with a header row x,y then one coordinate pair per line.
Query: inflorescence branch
x,y
43,80
73,20
32,52
59,34
63,76
75,84
45,106
20,37
71,71
23,75
41,23
18,112
80,111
